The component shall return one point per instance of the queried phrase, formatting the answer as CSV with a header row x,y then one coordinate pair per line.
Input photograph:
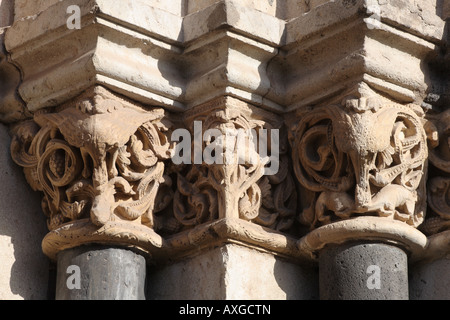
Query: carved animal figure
x,y
391,201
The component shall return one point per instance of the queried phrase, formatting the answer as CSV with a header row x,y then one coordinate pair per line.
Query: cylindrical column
x,y
100,273
363,271
430,281
429,275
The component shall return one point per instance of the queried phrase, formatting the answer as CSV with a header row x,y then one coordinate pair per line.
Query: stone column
x,y
100,273
429,274
364,258
363,271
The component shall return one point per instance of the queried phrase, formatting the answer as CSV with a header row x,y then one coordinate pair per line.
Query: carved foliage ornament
x,y
102,158
357,160
236,189
438,128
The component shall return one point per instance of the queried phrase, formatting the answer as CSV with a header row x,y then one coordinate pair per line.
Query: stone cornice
x,y
198,56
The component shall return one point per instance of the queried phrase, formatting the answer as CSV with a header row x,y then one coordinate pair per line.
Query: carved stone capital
x,y
438,187
361,158
99,161
250,181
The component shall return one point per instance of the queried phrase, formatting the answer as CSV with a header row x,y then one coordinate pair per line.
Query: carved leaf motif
x,y
195,200
279,205
440,151
88,161
438,131
250,203
320,165
237,187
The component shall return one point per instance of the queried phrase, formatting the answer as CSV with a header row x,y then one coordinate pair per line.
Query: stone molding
x,y
84,232
369,229
197,57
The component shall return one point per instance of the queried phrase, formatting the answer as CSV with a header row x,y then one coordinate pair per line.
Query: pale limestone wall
x,y
24,268
267,277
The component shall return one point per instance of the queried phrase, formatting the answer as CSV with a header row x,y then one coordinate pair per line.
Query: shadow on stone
x,y
22,228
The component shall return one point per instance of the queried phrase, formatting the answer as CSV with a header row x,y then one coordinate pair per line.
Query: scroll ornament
x,y
438,128
236,188
100,158
356,160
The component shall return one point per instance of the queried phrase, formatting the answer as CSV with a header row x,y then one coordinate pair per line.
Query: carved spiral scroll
x,y
90,163
237,188
440,151
320,166
438,129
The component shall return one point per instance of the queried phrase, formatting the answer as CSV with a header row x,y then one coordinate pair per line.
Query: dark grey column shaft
x,y
363,271
430,280
100,273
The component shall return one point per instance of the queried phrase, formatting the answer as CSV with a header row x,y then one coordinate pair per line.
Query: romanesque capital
x,y
99,161
248,178
437,223
363,163
113,171
232,180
